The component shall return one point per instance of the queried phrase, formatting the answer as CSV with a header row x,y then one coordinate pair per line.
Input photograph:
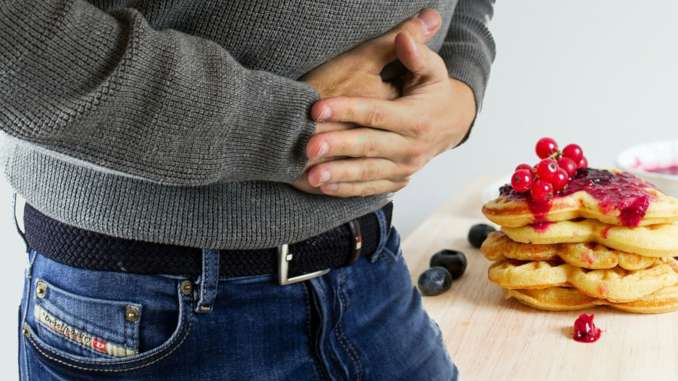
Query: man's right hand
x,y
357,72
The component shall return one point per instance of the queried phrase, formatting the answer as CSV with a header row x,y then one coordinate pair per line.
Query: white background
x,y
599,73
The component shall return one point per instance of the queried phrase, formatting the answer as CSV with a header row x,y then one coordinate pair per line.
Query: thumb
x,y
380,51
418,58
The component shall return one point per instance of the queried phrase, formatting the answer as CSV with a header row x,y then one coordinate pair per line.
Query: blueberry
x,y
434,281
454,261
478,234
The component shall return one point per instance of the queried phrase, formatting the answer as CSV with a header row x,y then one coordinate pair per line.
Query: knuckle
x,y
375,117
416,160
366,172
342,190
352,190
367,190
408,170
422,126
420,161
370,148
375,170
338,147
414,26
414,151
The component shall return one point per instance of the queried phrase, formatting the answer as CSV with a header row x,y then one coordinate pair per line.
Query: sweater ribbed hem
x,y
267,215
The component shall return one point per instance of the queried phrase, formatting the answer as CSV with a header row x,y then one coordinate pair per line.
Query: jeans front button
x,y
186,287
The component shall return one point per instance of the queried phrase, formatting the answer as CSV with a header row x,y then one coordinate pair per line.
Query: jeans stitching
x,y
144,365
210,261
79,345
184,311
383,237
393,254
345,343
28,279
25,362
316,361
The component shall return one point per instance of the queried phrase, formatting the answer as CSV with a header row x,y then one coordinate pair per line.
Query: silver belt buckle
x,y
284,258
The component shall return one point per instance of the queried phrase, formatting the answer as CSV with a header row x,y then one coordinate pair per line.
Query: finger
x,y
381,50
331,126
362,189
358,142
367,112
350,170
316,152
311,162
303,185
418,58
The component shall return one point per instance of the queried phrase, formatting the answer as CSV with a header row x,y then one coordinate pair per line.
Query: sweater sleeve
x,y
106,88
469,48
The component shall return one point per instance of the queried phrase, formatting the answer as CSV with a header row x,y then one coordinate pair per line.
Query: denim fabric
x,y
360,322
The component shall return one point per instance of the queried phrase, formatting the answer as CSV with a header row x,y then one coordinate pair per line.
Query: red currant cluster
x,y
552,173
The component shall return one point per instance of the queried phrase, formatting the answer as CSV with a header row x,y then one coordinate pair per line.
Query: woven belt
x,y
86,249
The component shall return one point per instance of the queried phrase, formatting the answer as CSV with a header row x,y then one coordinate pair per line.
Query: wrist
x,y
467,103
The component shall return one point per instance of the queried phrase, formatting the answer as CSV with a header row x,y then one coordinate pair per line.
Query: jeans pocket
x,y
83,326
92,334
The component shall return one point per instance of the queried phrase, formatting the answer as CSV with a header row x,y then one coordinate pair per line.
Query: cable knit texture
x,y
184,121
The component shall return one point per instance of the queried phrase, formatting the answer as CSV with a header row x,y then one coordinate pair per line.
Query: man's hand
x,y
356,73
395,138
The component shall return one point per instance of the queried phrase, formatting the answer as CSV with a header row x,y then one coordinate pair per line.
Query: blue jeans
x,y
360,322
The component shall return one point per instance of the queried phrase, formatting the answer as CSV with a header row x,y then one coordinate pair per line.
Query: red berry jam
x,y
541,227
585,331
622,191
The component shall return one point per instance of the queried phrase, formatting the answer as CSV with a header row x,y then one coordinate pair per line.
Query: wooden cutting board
x,y
491,338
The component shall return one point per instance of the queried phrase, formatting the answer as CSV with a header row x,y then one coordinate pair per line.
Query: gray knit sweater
x,y
183,121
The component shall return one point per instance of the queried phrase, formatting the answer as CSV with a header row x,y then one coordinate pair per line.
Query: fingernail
x,y
324,177
325,114
428,19
324,147
331,187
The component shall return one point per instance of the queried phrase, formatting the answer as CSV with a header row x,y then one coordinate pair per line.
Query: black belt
x,y
86,249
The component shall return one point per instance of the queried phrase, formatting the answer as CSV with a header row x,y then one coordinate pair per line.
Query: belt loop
x,y
16,221
383,234
209,280
357,235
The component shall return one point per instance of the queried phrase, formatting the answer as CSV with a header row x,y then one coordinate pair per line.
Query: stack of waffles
x,y
610,240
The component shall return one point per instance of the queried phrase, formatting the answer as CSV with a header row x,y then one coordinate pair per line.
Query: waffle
x,y
529,275
512,211
614,285
620,286
649,241
570,299
498,246
607,238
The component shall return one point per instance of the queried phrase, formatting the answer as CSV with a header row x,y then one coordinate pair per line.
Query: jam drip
x,y
622,191
585,331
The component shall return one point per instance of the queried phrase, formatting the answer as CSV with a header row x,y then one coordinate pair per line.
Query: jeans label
x,y
77,336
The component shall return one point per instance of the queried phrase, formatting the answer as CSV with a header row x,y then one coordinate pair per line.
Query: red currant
x,y
561,179
522,180
574,152
547,170
546,147
523,166
583,163
569,165
541,191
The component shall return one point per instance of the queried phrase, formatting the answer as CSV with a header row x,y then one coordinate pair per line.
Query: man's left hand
x,y
393,138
